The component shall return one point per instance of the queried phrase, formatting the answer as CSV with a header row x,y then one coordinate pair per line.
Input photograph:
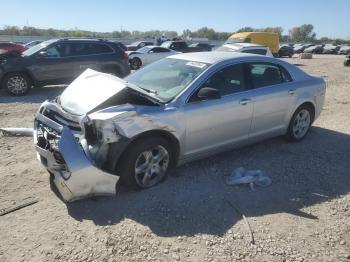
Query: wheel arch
x,y
25,72
309,104
118,149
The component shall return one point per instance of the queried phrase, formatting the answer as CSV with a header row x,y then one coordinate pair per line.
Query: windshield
x,y
37,48
226,48
166,78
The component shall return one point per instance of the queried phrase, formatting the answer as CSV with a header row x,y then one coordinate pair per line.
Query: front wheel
x,y
145,163
300,123
17,84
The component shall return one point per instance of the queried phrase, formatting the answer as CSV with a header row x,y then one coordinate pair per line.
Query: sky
x,y
330,18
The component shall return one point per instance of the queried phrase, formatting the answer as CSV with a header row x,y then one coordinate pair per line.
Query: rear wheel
x,y
135,63
17,84
145,163
300,123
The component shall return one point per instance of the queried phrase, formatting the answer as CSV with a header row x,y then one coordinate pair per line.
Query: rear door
x,y
273,97
92,55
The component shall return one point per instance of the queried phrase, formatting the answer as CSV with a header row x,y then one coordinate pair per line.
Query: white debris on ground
x,y
251,177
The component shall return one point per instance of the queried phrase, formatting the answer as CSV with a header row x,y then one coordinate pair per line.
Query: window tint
x,y
265,74
78,49
255,51
98,48
228,80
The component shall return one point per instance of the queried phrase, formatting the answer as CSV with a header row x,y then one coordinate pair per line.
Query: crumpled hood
x,y
89,90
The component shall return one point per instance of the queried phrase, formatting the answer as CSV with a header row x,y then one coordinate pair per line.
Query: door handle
x,y
245,101
291,91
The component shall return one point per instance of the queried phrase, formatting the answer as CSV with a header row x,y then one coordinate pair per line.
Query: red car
x,y
9,46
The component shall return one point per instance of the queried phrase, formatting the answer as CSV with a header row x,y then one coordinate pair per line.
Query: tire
x,y
347,62
135,63
300,123
17,84
290,55
143,155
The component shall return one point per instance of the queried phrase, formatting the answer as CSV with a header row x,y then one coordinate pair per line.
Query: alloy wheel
x,y
151,166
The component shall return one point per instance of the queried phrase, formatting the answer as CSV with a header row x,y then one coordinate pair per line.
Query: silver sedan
x,y
181,108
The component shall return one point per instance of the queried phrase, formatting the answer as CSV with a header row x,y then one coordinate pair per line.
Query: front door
x,y
219,123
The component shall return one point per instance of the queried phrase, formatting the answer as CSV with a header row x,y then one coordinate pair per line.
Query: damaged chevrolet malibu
x,y
184,107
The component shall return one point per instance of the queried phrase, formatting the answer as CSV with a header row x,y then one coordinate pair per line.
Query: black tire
x,y
347,62
291,134
290,55
126,167
135,63
17,84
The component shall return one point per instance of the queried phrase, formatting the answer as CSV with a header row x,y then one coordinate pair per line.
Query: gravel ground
x,y
303,216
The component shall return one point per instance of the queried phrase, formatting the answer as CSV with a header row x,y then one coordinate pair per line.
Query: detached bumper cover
x,y
74,174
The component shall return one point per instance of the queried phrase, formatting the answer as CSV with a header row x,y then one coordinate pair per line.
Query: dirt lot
x,y
303,216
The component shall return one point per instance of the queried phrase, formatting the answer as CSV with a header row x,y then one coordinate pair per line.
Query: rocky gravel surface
x,y
304,215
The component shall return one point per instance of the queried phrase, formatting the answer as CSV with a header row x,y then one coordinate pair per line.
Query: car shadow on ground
x,y
195,199
36,95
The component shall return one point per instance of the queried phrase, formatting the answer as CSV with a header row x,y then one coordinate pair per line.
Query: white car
x,y
147,55
246,48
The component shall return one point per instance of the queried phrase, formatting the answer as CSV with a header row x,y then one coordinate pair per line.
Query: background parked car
x,y
330,49
33,43
347,61
9,46
147,55
137,45
314,49
204,46
181,46
285,50
344,50
299,48
59,61
246,48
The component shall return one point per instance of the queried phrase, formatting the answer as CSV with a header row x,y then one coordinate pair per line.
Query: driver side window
x,y
52,51
228,80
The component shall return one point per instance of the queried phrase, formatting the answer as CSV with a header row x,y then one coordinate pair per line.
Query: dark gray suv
x,y
59,61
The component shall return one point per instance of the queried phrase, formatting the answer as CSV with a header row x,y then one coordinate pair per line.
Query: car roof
x,y
212,57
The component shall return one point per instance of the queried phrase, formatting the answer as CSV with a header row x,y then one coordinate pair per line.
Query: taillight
x,y
125,56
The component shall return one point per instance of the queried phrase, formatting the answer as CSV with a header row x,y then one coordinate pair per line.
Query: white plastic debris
x,y
251,177
17,131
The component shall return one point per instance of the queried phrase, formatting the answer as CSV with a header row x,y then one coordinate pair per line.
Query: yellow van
x,y
262,38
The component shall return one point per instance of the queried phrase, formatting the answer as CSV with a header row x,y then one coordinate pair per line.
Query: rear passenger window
x,y
79,49
268,74
98,48
285,75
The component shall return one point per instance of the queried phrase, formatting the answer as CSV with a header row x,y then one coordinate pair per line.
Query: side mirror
x,y
207,93
42,54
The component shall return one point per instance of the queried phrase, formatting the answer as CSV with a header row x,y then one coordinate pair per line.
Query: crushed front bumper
x,y
74,174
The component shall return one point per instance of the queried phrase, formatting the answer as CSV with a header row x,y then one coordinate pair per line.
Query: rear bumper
x,y
75,176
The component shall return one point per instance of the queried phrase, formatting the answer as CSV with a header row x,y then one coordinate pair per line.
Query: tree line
x,y
298,34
